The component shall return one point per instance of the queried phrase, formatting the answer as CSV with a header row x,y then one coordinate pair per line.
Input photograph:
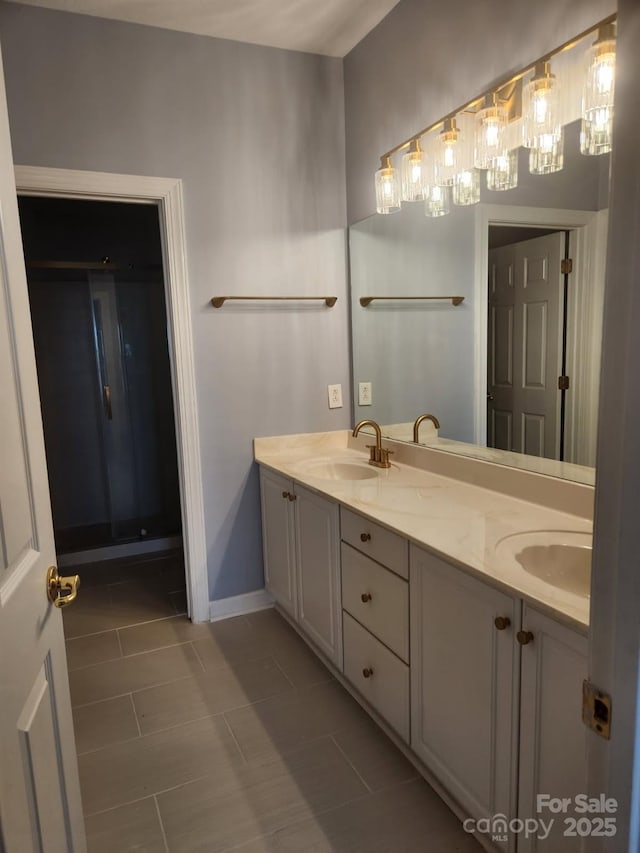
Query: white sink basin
x,y
335,469
560,558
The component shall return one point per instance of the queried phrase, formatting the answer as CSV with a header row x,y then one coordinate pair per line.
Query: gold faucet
x,y
378,455
419,420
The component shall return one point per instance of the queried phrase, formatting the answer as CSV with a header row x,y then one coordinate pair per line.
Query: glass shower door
x,y
118,444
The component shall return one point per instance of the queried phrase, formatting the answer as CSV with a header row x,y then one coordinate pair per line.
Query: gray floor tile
x,y
408,818
135,827
104,723
374,756
273,634
221,812
90,614
161,633
291,719
96,648
135,602
207,693
139,768
113,678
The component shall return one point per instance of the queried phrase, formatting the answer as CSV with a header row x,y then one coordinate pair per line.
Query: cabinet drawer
x,y
387,687
381,544
385,610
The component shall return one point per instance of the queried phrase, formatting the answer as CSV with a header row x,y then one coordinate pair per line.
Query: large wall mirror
x,y
489,367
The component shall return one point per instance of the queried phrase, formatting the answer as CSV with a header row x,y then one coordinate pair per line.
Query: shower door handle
x,y
106,389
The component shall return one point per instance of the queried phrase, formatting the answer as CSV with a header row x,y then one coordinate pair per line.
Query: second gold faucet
x,y
418,421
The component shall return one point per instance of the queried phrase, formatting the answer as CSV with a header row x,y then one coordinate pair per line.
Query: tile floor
x,y
227,736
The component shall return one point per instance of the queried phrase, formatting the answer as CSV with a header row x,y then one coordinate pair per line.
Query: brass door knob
x,y
366,596
365,537
367,672
502,622
524,637
61,591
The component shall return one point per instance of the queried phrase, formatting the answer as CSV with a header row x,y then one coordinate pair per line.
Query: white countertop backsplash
x,y
457,507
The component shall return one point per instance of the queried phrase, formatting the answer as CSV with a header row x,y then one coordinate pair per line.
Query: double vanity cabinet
x,y
481,688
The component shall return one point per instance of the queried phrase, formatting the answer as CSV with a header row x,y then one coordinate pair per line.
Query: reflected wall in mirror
x,y
489,367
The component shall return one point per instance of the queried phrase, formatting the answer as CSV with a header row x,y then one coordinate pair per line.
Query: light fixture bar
x,y
479,99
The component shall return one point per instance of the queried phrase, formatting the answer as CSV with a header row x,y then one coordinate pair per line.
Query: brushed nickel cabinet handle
x,y
365,597
293,497
365,537
502,622
285,494
367,672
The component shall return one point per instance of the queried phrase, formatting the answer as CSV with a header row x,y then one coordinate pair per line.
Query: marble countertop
x,y
461,522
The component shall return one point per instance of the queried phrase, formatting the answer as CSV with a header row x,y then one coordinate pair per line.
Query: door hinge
x,y
563,383
566,266
596,709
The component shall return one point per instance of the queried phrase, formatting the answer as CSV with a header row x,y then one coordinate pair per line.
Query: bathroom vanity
x,y
436,601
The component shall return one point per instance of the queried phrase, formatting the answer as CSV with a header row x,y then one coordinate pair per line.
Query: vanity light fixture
x,y
466,187
597,95
415,185
502,125
387,187
489,133
437,203
503,172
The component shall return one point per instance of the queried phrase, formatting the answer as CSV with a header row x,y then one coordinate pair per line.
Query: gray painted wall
x,y
426,58
257,136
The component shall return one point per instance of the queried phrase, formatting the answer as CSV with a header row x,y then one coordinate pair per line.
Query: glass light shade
x,y
597,95
414,174
489,135
540,107
466,188
437,203
547,156
447,151
387,188
503,173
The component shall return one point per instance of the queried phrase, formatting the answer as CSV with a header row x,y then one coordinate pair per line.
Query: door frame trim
x,y
166,193
584,222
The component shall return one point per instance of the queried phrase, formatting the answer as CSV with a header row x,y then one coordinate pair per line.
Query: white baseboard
x,y
236,605
114,552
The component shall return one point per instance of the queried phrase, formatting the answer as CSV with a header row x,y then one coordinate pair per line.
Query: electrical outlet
x,y
335,396
364,394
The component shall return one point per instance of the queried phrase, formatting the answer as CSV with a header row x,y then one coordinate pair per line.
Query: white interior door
x,y
39,791
524,354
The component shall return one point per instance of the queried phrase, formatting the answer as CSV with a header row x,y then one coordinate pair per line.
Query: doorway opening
x,y
97,298
528,298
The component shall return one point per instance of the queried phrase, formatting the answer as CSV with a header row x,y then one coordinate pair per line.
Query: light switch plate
x,y
365,397
335,396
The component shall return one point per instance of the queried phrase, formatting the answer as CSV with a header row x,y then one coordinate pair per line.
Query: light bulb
x,y
540,106
387,187
466,187
414,173
437,203
447,148
598,93
490,126
503,173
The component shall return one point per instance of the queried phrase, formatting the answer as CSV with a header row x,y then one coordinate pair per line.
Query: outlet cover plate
x,y
335,396
365,397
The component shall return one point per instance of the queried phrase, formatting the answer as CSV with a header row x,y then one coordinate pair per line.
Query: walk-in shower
x,y
100,331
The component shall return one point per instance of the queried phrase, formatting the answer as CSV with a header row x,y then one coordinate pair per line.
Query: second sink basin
x,y
560,558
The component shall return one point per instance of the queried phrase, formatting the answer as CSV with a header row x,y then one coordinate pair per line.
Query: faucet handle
x,y
373,453
384,457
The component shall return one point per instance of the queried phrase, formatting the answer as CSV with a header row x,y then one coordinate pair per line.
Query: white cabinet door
x,y
39,791
552,735
318,560
278,542
463,684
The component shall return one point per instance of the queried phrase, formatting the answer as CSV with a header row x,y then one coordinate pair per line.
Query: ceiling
x,y
330,27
